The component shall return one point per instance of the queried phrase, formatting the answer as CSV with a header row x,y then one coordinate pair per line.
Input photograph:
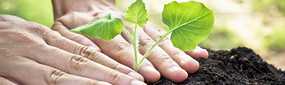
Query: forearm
x,y
61,7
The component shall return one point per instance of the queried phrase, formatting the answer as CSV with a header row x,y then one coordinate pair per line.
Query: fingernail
x,y
175,68
103,83
94,48
136,82
135,75
194,63
149,68
185,59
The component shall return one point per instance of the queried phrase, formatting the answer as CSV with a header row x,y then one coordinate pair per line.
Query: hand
x,y
33,54
164,60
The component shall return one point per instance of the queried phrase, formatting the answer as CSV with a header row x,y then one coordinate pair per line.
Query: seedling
x,y
189,23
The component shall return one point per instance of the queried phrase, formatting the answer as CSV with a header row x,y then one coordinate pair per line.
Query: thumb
x,y
81,39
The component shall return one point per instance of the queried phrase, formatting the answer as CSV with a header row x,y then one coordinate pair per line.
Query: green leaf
x,y
105,28
190,23
137,13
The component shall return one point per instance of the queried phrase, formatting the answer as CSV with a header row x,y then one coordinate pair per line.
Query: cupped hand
x,y
165,59
33,54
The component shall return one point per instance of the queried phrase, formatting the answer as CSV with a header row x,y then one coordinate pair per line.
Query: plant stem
x,y
161,37
128,33
134,31
134,42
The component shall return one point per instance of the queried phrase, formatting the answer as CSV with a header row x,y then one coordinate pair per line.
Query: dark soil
x,y
239,66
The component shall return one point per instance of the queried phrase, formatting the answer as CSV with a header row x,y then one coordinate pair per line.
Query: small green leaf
x,y
137,13
105,28
190,23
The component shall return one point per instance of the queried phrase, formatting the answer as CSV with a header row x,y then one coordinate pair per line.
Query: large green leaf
x,y
190,23
137,13
105,28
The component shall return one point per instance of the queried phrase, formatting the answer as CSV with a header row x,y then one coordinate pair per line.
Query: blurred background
x,y
256,24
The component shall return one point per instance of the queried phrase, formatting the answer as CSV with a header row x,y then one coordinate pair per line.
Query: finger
x,y
155,32
184,60
4,81
198,53
123,52
160,59
64,31
54,39
78,65
28,72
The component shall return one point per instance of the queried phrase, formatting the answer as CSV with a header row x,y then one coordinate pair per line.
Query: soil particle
x,y
239,66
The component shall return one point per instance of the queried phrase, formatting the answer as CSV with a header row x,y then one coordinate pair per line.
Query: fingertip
x,y
178,75
191,66
198,53
150,74
204,53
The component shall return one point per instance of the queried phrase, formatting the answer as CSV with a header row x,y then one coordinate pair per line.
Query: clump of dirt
x,y
238,66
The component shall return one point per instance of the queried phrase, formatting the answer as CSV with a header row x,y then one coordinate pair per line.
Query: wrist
x,y
61,7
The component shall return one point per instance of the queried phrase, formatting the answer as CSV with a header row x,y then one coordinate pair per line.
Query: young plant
x,y
189,23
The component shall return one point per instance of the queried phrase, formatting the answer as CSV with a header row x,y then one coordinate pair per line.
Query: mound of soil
x,y
238,66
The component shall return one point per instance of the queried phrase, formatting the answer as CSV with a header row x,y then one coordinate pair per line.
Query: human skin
x,y
165,59
32,54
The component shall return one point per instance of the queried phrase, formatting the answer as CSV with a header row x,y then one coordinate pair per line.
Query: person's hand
x,y
165,59
32,54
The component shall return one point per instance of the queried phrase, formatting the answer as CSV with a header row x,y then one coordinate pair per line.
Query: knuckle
x,y
159,30
146,42
56,33
116,66
35,27
123,51
176,52
160,58
52,37
115,76
121,46
77,63
153,31
164,59
56,24
125,36
89,53
73,13
93,82
97,57
54,77
84,51
165,40
156,36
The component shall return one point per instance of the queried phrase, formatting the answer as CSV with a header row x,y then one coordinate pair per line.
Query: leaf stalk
x,y
161,38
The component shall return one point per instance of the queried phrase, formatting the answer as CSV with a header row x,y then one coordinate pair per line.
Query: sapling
x,y
189,23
